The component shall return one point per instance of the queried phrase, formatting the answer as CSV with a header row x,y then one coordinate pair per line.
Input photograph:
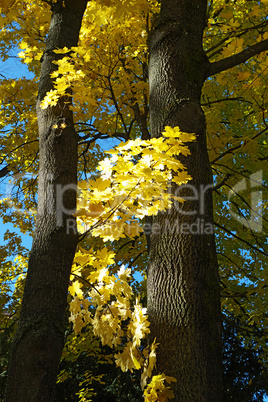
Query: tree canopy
x,y
103,82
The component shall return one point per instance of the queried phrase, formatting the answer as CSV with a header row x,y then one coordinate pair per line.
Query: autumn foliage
x,y
125,176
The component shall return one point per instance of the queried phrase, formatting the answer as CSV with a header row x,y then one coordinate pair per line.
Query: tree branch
x,y
4,171
240,239
141,121
234,148
222,183
242,57
238,98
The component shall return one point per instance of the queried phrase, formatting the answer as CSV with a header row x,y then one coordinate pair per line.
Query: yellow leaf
x,y
95,209
171,132
62,51
136,362
75,289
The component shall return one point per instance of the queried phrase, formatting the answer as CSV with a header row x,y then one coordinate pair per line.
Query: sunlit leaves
x,y
134,182
157,389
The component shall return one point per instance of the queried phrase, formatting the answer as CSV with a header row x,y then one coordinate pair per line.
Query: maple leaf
x,y
75,288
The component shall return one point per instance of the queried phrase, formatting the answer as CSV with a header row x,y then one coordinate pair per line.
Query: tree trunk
x,y
183,281
38,341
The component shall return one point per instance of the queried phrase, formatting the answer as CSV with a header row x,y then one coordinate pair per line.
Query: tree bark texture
x,y
183,282
38,341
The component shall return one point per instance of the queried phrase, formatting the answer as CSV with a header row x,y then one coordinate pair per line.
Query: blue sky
x,y
12,68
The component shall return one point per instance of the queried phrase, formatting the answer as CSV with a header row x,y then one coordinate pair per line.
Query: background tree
x,y
38,344
107,75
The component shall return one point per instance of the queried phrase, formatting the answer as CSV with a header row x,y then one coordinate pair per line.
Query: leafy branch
x,y
236,59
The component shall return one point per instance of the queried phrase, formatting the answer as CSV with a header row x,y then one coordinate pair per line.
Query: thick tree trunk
x,y
183,282
39,339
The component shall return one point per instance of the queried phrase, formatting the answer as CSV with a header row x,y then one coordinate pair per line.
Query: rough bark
x,y
183,283
39,338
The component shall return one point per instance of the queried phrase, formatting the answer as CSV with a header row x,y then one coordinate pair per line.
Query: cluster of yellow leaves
x,y
106,64
107,306
66,76
105,71
12,272
25,22
20,21
157,391
30,53
134,182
